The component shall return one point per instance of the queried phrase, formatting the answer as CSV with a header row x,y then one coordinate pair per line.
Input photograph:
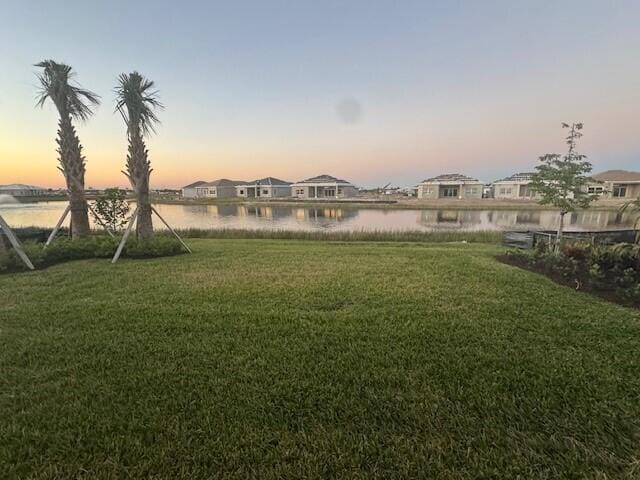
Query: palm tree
x,y
72,103
137,101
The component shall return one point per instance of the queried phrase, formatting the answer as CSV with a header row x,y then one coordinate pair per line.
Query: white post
x,y
171,229
55,230
16,243
127,232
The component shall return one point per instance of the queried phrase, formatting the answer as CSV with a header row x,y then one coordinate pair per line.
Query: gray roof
x,y
325,179
195,184
272,181
223,182
451,177
618,176
517,177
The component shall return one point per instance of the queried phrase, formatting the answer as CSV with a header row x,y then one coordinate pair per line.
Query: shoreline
x,y
356,203
386,204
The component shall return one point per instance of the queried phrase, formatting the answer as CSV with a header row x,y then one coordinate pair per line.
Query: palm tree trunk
x,y
145,223
139,171
79,218
72,165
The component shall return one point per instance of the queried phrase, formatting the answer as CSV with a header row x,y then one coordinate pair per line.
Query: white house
x,y
617,184
450,185
222,188
268,187
190,191
323,186
21,190
515,187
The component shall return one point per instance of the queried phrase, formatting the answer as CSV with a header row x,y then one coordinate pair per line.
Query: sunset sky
x,y
370,91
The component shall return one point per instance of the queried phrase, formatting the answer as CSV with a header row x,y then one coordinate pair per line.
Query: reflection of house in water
x,y
315,214
599,219
549,219
521,219
531,217
270,213
450,218
212,210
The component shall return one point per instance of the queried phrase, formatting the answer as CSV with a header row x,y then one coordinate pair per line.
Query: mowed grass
x,y
301,359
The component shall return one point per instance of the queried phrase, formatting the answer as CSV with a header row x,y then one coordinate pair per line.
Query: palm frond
x,y
137,101
56,84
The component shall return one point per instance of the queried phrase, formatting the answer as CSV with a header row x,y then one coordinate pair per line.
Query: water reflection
x,y
522,220
348,218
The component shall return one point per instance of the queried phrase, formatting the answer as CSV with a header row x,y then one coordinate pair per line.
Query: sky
x,y
374,92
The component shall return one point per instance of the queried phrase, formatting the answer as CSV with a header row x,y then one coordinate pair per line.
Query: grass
x,y
480,236
290,359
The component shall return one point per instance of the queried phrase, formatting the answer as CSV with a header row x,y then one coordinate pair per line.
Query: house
x,y
189,191
218,188
324,186
515,187
617,184
21,190
268,187
451,185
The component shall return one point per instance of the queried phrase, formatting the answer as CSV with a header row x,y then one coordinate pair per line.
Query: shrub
x,y
611,270
63,250
111,209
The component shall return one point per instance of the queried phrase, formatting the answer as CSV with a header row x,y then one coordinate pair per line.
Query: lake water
x,y
46,214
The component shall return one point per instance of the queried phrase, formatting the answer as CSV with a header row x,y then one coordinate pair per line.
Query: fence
x,y
529,239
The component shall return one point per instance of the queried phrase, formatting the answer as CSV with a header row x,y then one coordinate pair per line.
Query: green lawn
x,y
293,359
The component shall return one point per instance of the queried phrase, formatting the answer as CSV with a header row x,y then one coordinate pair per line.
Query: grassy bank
x,y
481,236
290,359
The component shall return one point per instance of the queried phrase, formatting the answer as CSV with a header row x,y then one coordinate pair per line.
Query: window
x,y
300,191
449,191
428,191
619,191
595,190
339,190
472,191
265,191
241,192
505,191
526,191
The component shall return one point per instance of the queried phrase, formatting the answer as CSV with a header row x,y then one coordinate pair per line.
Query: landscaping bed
x,y
98,246
609,271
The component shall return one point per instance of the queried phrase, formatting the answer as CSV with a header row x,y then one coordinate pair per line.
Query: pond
x,y
46,214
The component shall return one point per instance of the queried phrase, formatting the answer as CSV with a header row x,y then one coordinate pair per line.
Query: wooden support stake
x,y
16,243
55,230
127,232
171,230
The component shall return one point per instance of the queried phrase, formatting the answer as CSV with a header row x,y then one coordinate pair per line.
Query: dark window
x,y
620,191
449,192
